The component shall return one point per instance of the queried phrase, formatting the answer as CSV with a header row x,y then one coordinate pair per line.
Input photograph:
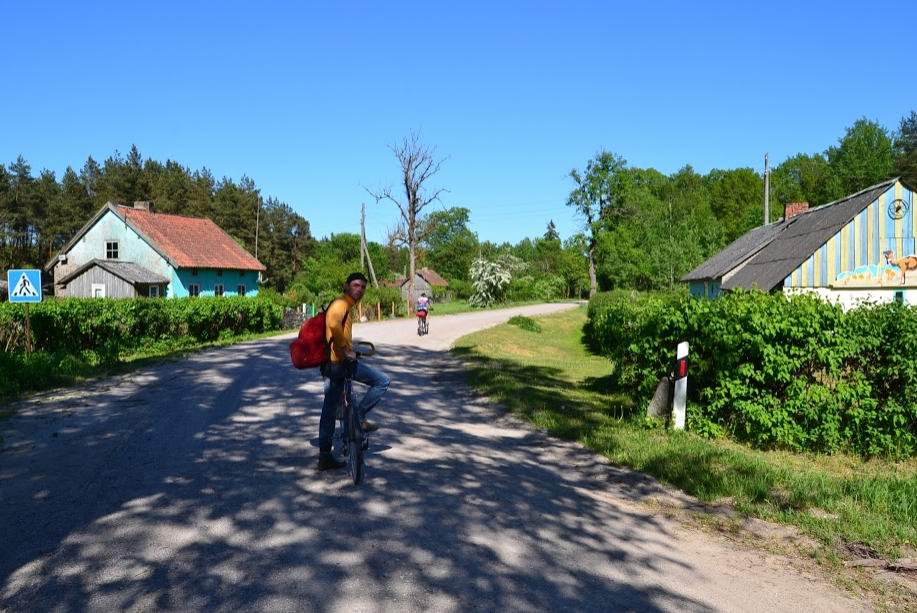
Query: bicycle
x,y
352,440
423,327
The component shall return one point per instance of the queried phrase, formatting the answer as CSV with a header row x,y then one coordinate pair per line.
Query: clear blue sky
x,y
305,97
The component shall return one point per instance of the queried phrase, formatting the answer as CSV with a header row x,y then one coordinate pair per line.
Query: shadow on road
x,y
196,490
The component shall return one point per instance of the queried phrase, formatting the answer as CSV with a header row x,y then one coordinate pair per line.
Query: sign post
x,y
24,286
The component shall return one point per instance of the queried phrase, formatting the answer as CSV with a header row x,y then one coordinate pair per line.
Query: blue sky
x,y
305,97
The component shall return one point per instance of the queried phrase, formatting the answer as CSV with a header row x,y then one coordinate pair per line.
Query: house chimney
x,y
792,209
144,205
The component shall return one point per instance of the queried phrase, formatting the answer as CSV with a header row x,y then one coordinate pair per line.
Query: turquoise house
x,y
126,252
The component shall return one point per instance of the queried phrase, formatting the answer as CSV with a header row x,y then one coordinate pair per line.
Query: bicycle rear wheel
x,y
355,457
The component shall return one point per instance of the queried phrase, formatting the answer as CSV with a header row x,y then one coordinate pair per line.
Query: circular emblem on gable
x,y
897,209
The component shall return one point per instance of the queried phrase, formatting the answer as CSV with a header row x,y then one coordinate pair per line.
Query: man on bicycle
x,y
423,303
338,331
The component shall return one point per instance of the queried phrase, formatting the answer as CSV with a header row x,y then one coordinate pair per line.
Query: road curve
x,y
191,485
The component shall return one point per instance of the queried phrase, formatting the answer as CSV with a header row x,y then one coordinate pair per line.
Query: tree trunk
x,y
413,272
593,285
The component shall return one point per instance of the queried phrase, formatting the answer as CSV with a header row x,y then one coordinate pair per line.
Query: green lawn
x,y
555,382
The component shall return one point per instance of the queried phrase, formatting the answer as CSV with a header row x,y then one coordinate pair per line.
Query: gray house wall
x,y
420,285
131,248
115,287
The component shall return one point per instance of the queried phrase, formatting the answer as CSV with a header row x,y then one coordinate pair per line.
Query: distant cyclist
x,y
338,331
423,307
423,303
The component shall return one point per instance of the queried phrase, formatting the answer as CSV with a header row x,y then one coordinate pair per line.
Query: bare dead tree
x,y
418,165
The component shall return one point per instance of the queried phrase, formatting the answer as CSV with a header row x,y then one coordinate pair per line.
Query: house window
x,y
194,290
899,297
240,290
98,290
154,291
218,289
111,250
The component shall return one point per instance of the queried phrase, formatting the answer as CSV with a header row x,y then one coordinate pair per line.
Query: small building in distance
x,y
427,281
857,249
123,252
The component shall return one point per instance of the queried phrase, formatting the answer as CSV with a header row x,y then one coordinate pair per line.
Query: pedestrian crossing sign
x,y
24,285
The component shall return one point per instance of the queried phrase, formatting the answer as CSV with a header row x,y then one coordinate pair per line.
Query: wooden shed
x,y
427,281
112,279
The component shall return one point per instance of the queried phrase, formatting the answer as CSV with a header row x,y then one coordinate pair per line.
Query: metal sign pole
x,y
28,330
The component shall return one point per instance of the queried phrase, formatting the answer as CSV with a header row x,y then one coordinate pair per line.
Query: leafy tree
x,y
906,149
594,199
736,200
802,178
449,244
863,157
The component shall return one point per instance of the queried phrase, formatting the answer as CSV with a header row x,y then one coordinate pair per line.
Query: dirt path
x,y
191,486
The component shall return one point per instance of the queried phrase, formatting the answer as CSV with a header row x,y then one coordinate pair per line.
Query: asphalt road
x,y
191,486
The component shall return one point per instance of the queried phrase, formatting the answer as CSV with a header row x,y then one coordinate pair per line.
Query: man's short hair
x,y
356,275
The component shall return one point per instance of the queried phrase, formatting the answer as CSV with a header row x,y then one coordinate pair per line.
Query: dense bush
x,y
526,323
461,289
773,371
550,287
110,328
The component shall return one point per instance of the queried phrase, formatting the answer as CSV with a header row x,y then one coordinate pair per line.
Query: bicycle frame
x,y
353,441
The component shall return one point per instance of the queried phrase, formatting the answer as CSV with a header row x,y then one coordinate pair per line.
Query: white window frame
x,y
194,290
108,249
220,291
241,289
100,287
153,291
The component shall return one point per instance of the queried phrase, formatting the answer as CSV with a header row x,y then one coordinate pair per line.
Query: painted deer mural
x,y
904,264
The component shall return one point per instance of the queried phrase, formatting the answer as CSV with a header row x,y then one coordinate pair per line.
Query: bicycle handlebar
x,y
367,353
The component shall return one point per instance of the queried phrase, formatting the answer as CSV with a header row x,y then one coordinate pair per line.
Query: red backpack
x,y
311,349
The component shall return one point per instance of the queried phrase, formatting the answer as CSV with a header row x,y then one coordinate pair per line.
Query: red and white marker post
x,y
680,396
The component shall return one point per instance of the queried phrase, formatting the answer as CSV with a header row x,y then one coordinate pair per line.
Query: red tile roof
x,y
190,242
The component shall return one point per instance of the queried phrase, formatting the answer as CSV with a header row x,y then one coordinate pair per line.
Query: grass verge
x,y
555,382
461,306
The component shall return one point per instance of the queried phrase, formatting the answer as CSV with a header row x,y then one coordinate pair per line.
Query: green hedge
x,y
114,327
776,372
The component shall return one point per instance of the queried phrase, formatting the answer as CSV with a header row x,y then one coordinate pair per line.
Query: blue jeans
x,y
377,381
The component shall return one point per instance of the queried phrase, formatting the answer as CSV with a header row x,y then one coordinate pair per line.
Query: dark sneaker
x,y
369,426
327,461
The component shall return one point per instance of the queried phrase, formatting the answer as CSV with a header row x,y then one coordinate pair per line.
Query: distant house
x,y
125,252
860,248
426,280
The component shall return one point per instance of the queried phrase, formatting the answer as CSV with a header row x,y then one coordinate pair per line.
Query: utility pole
x,y
767,191
257,223
364,248
257,227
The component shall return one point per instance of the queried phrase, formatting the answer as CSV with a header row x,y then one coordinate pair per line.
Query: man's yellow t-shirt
x,y
338,330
